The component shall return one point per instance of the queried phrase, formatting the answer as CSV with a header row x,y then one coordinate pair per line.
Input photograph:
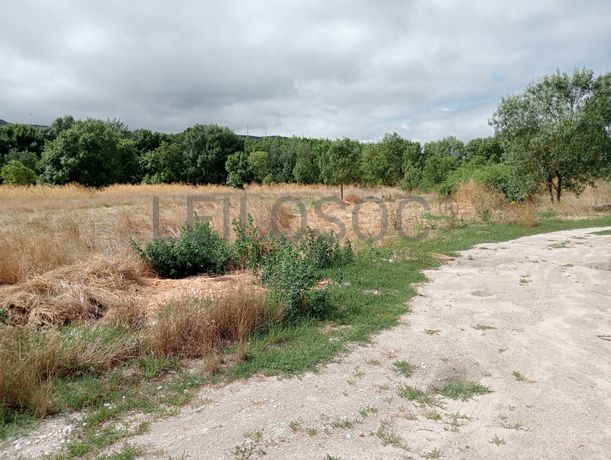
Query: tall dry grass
x,y
478,203
191,328
31,360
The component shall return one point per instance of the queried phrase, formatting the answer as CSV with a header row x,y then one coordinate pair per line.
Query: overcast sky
x,y
330,68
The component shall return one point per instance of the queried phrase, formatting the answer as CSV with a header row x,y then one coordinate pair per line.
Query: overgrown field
x,y
100,317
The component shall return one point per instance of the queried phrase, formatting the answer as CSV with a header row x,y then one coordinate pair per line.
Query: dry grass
x,y
27,363
30,360
191,328
72,293
478,203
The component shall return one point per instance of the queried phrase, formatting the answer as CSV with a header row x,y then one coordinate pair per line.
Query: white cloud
x,y
422,68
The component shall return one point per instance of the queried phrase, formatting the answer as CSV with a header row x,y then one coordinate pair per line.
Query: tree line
x,y
556,133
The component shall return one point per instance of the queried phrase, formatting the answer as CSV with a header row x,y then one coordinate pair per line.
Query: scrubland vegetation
x,y
105,311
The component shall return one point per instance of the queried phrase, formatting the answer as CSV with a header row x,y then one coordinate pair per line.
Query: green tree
x,y
60,124
340,163
206,148
259,165
16,173
306,170
90,153
557,131
489,148
165,164
238,169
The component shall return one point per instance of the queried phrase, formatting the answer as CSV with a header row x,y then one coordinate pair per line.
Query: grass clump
x,y
404,368
197,249
458,389
190,328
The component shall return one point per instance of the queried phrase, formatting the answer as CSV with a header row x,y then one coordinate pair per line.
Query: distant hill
x,y
4,122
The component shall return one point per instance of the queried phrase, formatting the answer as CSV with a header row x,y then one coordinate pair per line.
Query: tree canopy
x,y
557,131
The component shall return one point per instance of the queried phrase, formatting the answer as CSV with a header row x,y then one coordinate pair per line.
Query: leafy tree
x,y
448,146
238,169
557,131
340,164
436,169
91,153
258,162
165,164
16,173
20,138
146,140
306,170
28,159
60,124
489,148
206,148
412,175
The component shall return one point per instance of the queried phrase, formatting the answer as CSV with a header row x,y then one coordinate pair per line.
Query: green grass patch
x,y
458,389
404,368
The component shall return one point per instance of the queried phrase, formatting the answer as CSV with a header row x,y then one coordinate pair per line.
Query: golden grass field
x,y
67,255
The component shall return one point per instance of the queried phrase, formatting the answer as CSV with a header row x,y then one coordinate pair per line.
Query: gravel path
x,y
530,318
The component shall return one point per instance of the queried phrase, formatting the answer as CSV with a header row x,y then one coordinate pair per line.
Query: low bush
x,y
289,275
249,247
197,249
324,251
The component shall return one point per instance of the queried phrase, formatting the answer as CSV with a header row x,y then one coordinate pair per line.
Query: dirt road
x,y
530,319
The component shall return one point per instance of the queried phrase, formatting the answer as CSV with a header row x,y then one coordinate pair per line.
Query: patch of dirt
x,y
157,292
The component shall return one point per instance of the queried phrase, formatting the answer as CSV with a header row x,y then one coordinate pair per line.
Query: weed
x,y
249,447
497,441
435,453
366,411
415,394
404,368
458,389
295,425
388,437
511,426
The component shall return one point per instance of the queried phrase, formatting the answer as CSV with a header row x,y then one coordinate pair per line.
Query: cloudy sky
x,y
325,68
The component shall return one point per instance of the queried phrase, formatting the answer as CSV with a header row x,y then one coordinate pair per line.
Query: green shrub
x,y
289,276
495,176
323,251
16,173
198,249
249,246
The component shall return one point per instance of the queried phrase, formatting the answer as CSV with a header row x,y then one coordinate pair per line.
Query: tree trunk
x,y
558,187
550,189
341,191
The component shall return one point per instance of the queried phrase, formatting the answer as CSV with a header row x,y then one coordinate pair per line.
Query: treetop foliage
x,y
557,132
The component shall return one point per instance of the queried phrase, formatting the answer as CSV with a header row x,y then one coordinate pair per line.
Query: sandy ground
x,y
539,305
548,298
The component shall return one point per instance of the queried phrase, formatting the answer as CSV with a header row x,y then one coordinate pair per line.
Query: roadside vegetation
x,y
121,362
104,312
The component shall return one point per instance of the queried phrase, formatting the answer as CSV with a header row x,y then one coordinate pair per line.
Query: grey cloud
x,y
423,68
